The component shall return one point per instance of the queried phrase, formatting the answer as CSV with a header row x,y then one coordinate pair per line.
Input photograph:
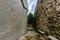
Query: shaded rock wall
x,y
13,19
47,16
41,21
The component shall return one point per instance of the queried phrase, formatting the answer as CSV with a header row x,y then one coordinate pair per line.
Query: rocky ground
x,y
32,35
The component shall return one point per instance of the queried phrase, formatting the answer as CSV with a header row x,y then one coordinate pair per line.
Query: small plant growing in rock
x,y
46,33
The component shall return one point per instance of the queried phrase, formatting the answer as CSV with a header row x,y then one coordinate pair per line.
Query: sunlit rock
x,y
13,19
47,16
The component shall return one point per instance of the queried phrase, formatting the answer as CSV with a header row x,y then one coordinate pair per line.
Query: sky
x,y
31,6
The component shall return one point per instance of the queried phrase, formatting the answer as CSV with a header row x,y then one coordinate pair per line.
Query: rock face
x,y
13,19
41,21
47,16
32,35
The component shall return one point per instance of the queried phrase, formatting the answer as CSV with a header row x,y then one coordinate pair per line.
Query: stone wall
x,y
13,19
41,21
47,16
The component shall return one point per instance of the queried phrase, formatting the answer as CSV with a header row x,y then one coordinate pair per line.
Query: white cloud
x,y
31,5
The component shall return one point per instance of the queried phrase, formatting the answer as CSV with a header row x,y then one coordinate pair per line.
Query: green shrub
x,y
30,18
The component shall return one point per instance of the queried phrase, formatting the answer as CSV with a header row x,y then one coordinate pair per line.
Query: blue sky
x,y
31,5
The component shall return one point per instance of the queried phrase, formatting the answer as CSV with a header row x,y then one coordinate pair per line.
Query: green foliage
x,y
31,18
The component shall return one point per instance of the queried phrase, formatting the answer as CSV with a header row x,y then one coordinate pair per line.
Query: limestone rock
x,y
13,19
47,16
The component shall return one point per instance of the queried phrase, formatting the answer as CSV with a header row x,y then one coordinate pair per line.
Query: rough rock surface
x,y
47,16
32,35
13,19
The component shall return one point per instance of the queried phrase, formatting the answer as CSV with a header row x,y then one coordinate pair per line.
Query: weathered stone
x,y
32,35
13,19
47,16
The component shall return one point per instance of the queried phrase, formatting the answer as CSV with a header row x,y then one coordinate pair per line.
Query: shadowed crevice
x,y
23,5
